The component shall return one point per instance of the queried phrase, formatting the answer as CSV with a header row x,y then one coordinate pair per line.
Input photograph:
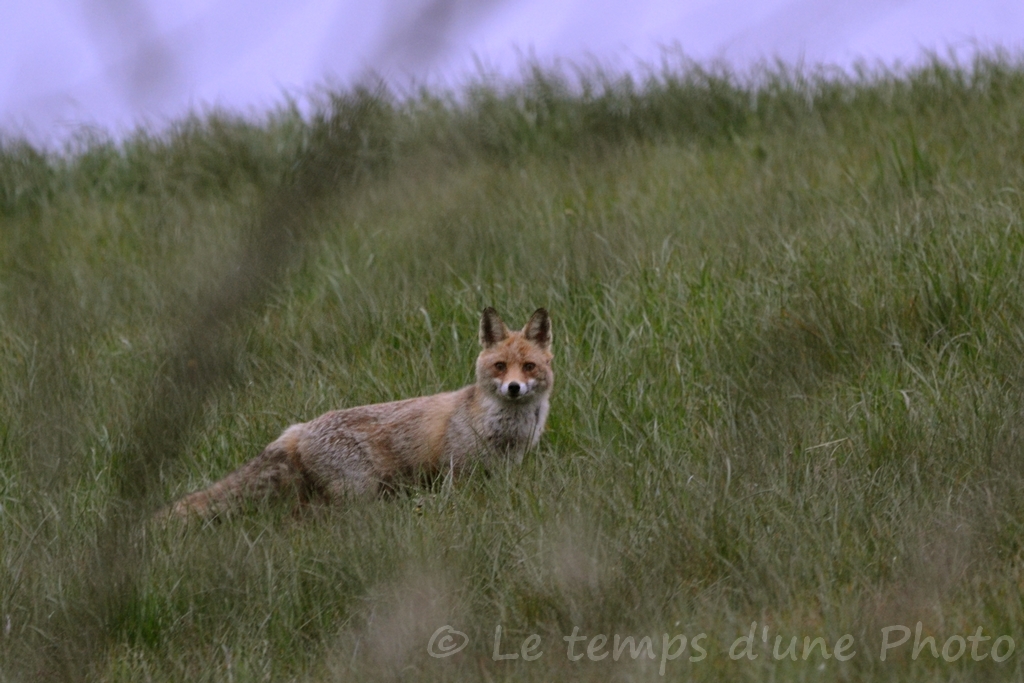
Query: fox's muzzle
x,y
514,389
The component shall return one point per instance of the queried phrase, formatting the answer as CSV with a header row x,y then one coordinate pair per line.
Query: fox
x,y
369,450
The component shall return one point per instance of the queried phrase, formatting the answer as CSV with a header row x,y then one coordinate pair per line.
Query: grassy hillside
x,y
789,337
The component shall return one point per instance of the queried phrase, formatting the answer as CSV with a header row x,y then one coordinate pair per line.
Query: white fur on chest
x,y
510,429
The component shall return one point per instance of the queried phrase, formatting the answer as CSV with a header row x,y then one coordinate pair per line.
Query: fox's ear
x,y
492,329
538,329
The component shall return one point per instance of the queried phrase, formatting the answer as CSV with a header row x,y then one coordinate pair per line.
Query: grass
x,y
789,380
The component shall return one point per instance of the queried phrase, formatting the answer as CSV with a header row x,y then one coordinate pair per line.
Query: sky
x,y
112,65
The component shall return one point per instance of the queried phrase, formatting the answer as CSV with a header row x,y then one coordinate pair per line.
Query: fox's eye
x,y
500,367
528,367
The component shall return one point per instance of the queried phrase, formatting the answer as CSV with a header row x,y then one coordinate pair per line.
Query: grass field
x,y
789,337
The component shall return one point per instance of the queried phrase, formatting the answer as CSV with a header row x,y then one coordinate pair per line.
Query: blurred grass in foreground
x,y
789,338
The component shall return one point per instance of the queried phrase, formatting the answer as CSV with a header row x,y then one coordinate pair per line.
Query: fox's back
x,y
382,439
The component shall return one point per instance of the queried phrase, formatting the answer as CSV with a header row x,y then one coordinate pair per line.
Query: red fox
x,y
366,450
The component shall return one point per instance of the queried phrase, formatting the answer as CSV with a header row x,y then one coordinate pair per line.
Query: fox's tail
x,y
273,472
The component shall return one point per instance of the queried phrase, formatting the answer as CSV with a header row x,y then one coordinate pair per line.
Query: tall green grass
x,y
788,335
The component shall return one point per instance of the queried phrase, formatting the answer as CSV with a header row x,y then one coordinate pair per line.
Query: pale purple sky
x,y
118,63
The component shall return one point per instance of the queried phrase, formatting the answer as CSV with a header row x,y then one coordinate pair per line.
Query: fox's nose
x,y
513,389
